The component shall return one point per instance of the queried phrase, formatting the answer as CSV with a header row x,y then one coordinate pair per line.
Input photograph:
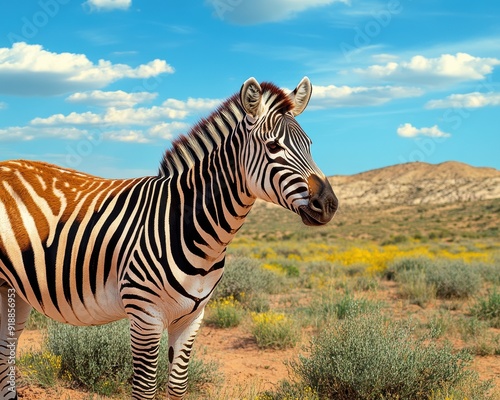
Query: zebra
x,y
84,250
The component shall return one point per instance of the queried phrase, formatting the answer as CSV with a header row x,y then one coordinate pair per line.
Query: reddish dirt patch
x,y
239,358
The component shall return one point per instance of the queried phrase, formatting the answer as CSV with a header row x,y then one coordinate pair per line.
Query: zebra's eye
x,y
274,146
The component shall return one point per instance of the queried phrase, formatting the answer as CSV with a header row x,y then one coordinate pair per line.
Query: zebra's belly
x,y
76,306
97,309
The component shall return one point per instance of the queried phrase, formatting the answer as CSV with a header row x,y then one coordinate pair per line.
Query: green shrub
x,y
453,279
314,272
348,306
365,283
98,358
356,269
439,325
257,303
404,264
329,306
368,358
488,309
415,288
471,328
274,330
489,272
449,278
244,276
41,368
224,313
291,268
398,239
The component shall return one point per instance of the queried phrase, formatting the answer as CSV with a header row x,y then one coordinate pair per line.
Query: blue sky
x,y
104,86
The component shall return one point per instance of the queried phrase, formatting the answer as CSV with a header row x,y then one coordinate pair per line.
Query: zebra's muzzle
x,y
323,203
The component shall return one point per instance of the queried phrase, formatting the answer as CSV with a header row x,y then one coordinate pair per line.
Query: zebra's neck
x,y
209,198
204,140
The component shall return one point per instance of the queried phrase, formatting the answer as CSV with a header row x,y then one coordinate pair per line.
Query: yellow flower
x,y
268,318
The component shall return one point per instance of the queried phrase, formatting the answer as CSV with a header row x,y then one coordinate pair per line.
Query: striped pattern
x,y
86,251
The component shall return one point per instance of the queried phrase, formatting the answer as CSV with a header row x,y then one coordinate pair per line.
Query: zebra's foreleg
x,y
180,343
14,313
145,336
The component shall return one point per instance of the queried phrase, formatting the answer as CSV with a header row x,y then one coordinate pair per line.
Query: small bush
x,y
328,307
398,239
244,276
224,313
439,325
348,306
98,358
291,268
471,328
368,357
488,309
41,368
404,264
257,303
274,330
356,269
450,278
489,272
365,284
453,279
415,288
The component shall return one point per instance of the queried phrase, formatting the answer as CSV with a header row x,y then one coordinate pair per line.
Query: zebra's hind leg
x,y
14,313
181,337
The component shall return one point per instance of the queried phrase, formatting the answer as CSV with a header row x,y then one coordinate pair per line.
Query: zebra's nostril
x,y
316,205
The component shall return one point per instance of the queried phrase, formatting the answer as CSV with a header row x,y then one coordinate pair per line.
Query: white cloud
x,y
162,131
244,12
440,70
168,130
409,131
192,104
130,124
3,105
119,98
171,109
113,116
358,96
27,133
126,135
468,100
108,5
28,70
141,116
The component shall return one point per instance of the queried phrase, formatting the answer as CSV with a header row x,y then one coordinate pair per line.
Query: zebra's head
x,y
276,152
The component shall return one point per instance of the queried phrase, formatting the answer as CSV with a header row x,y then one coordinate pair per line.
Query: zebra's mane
x,y
209,132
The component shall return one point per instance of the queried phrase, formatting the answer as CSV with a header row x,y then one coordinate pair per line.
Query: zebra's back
x,y
61,235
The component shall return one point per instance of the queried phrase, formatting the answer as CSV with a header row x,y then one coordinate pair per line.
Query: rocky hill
x,y
418,183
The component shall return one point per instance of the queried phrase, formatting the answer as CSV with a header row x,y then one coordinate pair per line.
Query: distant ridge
x,y
418,183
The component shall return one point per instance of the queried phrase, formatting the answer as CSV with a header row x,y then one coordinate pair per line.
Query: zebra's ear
x,y
250,95
301,95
